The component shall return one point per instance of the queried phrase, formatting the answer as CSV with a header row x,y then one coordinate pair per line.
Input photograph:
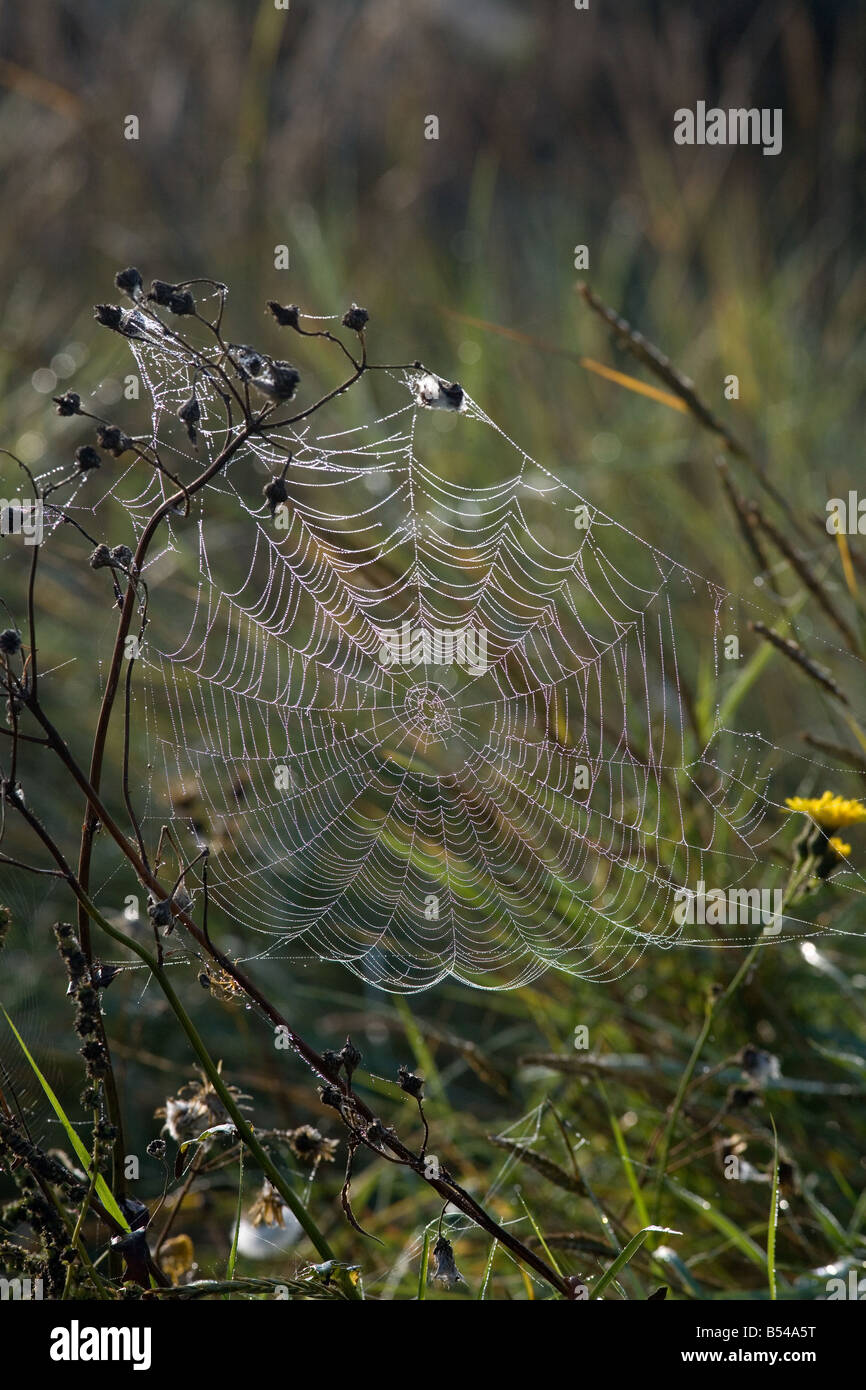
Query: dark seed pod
x,y
181,302
161,292
68,404
277,380
350,1056
109,315
112,439
129,281
160,913
356,318
329,1095
410,1083
276,493
189,414
286,315
86,458
122,556
332,1060
100,557
10,641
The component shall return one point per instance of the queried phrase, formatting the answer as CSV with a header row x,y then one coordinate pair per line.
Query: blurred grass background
x,y
260,127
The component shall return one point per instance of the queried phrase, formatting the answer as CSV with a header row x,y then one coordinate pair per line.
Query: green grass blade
x,y
233,1255
422,1273
627,1254
488,1268
103,1191
774,1215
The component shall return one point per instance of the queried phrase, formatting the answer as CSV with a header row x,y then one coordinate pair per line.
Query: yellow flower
x,y
831,812
839,846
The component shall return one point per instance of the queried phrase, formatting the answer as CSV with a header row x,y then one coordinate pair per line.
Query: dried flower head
x,y
172,297
160,912
276,380
195,1108
112,439
350,1057
410,1083
86,458
276,493
10,641
121,556
356,318
130,282
109,315
182,303
286,315
189,414
445,1271
268,1209
100,557
332,1060
309,1145
331,1095
68,404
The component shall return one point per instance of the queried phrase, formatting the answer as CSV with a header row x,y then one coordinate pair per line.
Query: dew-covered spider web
x,y
427,727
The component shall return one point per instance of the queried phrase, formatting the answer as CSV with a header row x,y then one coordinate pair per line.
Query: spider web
x,y
412,821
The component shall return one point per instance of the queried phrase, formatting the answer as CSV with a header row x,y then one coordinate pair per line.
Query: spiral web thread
x,y
415,822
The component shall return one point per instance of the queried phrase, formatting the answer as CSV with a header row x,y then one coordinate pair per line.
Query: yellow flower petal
x,y
831,812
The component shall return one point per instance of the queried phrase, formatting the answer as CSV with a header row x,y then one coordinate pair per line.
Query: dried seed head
x,y
10,641
246,360
445,1271
276,380
330,1095
350,1056
410,1083
182,303
184,1119
122,557
129,281
109,315
161,292
100,557
160,912
189,414
268,1209
113,439
356,318
86,458
309,1145
286,315
276,493
68,404
332,1060
156,1148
